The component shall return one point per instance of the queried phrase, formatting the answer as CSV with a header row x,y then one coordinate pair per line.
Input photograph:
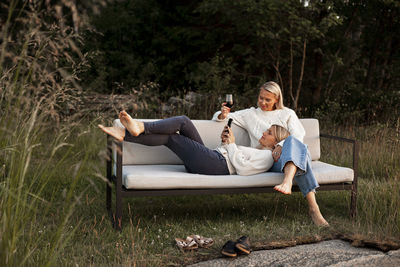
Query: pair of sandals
x,y
240,247
194,242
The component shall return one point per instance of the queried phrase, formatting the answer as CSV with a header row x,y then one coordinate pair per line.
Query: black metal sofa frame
x,y
121,192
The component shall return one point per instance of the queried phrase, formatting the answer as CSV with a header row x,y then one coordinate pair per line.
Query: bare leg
x,y
116,132
134,127
286,186
313,210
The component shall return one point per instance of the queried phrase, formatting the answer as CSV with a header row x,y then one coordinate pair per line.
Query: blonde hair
x,y
275,89
279,132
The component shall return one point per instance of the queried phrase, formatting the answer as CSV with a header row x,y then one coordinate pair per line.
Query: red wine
x,y
229,104
229,100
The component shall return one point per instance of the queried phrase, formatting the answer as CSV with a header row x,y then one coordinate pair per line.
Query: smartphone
x,y
229,124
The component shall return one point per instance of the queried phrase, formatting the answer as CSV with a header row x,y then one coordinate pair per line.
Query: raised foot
x,y
284,188
317,217
135,128
116,132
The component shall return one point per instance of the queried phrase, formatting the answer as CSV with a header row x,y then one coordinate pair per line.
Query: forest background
x,y
332,58
336,57
337,61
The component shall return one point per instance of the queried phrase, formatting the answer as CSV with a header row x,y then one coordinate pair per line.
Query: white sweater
x,y
246,160
256,121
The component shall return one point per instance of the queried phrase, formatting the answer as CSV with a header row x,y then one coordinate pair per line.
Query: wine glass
x,y
229,101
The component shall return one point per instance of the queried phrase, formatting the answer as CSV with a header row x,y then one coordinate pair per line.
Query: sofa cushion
x,y
311,139
210,132
176,177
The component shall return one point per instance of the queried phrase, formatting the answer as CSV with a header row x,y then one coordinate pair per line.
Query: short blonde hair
x,y
279,132
274,88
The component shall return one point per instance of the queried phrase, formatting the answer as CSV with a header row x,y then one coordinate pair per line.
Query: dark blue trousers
x,y
181,137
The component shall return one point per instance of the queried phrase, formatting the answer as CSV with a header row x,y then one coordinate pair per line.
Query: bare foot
x,y
284,188
134,127
317,217
116,132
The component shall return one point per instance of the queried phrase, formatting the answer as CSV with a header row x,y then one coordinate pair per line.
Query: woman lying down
x,y
181,137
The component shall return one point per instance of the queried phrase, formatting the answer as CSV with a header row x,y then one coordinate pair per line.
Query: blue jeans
x,y
186,144
295,151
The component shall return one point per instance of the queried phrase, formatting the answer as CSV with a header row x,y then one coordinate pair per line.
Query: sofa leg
x,y
109,174
108,197
353,203
118,211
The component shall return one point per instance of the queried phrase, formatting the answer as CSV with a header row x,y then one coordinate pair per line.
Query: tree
x,y
319,50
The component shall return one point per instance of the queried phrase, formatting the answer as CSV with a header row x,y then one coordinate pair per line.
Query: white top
x,y
256,121
246,160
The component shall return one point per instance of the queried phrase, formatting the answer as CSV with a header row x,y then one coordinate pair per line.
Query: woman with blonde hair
x,y
291,155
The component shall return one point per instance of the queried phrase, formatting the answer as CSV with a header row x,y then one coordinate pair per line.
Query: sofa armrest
x,y
118,178
109,159
115,177
354,191
355,152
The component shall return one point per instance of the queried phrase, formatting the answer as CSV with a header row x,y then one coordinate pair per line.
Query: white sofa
x,y
138,170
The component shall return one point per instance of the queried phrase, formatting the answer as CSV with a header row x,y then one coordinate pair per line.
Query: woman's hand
x,y
227,136
276,153
224,112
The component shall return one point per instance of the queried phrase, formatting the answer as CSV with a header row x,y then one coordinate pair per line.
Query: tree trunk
x,y
371,66
291,73
318,71
384,68
276,66
303,60
374,54
345,36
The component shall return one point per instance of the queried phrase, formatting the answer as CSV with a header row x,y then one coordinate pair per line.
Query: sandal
x,y
188,244
243,245
203,242
229,249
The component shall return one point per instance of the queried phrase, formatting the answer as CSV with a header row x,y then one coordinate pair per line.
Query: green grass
x,y
54,211
86,236
151,224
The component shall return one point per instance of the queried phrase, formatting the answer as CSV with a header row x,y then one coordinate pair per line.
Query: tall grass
x,y
38,64
379,174
379,149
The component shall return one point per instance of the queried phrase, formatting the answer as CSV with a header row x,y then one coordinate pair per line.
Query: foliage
x,y
39,65
319,51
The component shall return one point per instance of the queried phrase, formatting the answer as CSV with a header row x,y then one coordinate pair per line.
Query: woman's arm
x,y
222,115
295,127
249,161
246,160
240,118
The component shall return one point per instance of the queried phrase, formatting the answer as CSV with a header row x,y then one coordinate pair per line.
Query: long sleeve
x,y
295,127
249,161
256,121
215,117
241,118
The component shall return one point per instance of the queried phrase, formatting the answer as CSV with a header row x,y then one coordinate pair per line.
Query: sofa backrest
x,y
210,132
